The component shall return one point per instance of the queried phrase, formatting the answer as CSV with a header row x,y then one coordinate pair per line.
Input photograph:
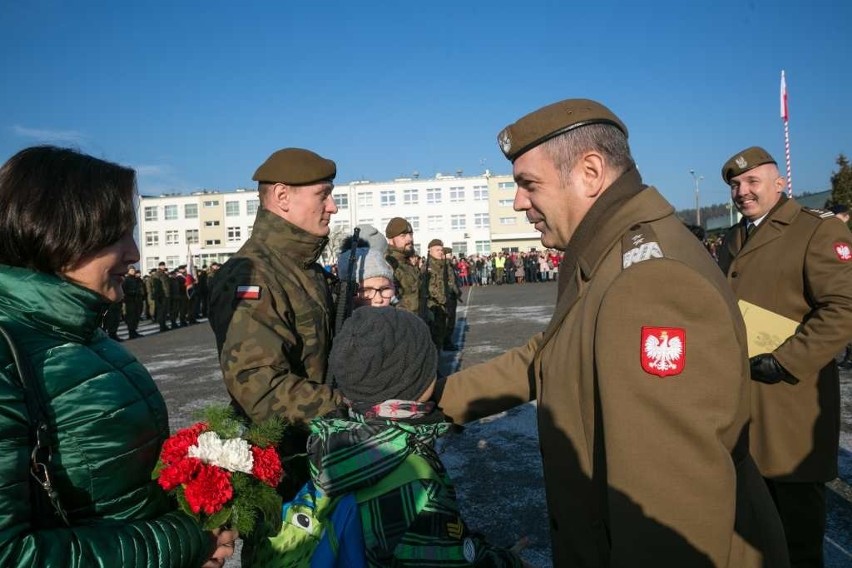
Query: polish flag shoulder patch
x,y
248,293
663,350
843,251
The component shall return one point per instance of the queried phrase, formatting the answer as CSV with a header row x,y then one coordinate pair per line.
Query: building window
x,y
415,223
212,242
410,196
506,185
151,263
170,212
459,248
456,194
505,202
483,247
480,220
172,237
434,223
172,262
192,236
190,211
458,222
232,208
150,213
480,193
248,231
342,200
211,203
433,195
366,221
233,234
508,220
365,199
152,238
211,223
387,198
252,206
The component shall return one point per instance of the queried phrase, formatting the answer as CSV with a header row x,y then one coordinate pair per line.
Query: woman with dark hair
x,y
81,421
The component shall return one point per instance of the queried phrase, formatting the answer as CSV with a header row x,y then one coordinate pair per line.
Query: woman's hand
x,y
223,547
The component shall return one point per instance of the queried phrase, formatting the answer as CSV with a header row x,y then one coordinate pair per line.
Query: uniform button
x,y
734,274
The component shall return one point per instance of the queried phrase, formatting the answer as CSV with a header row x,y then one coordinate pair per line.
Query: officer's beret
x,y
436,243
746,160
295,166
551,121
397,226
448,250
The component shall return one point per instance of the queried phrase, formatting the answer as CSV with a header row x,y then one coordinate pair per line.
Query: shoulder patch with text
x,y
663,350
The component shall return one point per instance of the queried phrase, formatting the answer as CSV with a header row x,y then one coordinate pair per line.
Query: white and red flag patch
x,y
248,293
663,350
843,251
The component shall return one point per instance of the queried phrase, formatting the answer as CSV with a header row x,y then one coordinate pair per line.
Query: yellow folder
x,y
766,330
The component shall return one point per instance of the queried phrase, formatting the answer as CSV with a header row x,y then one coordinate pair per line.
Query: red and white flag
x,y
784,114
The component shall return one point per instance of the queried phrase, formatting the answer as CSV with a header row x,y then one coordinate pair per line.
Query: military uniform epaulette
x,y
821,213
639,243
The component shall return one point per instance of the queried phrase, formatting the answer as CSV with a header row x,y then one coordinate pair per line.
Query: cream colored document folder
x,y
766,330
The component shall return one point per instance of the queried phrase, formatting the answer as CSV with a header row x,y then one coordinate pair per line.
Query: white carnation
x,y
233,454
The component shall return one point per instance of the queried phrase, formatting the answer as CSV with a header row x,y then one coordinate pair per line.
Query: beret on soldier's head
x,y
397,226
295,166
746,160
435,243
551,121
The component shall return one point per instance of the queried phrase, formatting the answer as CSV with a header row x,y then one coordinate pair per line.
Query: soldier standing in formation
x,y
406,276
162,292
795,262
642,375
453,299
134,294
441,286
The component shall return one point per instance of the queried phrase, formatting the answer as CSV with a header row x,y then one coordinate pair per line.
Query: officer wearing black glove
x,y
766,369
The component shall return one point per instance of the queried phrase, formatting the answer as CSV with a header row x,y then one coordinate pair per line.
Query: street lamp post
x,y
697,201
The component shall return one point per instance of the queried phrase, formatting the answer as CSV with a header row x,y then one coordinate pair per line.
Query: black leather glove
x,y
766,369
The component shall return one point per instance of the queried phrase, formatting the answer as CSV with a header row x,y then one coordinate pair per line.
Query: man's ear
x,y
781,183
280,195
592,168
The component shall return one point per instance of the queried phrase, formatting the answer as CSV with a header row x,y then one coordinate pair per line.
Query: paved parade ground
x,y
495,462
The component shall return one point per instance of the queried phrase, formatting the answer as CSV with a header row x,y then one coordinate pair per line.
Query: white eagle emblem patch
x,y
505,141
843,251
663,350
741,162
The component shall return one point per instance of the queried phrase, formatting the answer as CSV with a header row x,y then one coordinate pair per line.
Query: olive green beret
x,y
397,226
748,159
435,243
551,121
295,166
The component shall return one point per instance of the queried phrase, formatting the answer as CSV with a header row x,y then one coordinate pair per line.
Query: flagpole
x,y
785,116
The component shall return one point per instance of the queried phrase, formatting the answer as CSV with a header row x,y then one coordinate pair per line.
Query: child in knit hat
x,y
382,447
372,272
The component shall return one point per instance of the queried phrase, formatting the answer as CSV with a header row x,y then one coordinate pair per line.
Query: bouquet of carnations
x,y
223,472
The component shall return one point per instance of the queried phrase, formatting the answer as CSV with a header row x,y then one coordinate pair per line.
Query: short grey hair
x,y
567,148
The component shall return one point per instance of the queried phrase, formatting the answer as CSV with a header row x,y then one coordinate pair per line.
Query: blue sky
x,y
196,94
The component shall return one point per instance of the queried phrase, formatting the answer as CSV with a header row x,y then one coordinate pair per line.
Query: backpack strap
x,y
414,467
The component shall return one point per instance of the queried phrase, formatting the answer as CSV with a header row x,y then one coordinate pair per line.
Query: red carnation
x,y
175,448
178,473
267,465
210,490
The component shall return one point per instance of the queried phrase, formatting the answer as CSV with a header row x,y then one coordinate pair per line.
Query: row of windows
x,y
433,222
190,210
172,237
434,195
204,259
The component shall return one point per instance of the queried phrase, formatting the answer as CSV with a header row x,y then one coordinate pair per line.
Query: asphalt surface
x,y
494,462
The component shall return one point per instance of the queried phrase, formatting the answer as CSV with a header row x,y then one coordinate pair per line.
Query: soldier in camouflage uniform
x,y
453,299
162,291
442,285
134,292
406,276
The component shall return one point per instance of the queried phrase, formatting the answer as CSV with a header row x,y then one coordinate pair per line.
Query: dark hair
x,y
59,205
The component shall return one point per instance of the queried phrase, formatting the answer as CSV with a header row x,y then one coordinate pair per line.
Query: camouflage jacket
x,y
441,285
161,284
271,312
406,279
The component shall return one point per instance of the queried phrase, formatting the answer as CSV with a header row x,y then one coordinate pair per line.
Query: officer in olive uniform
x,y
162,287
441,286
795,262
641,377
134,293
406,276
453,299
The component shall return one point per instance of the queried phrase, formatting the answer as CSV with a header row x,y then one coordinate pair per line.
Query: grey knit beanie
x,y
382,354
369,256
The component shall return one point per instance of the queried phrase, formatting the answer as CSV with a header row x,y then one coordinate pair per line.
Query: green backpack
x,y
307,518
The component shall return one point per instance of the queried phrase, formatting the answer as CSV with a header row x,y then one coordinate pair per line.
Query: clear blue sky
x,y
196,94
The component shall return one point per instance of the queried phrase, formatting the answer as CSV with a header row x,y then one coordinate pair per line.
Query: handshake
x,y
766,369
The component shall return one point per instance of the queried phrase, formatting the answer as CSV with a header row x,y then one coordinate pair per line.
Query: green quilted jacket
x,y
108,421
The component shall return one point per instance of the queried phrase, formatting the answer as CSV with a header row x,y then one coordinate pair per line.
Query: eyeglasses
x,y
370,293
